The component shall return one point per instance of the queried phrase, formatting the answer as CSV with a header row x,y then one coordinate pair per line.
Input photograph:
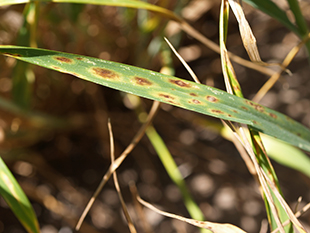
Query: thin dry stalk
x,y
242,152
274,78
213,227
187,67
119,161
145,225
117,187
213,46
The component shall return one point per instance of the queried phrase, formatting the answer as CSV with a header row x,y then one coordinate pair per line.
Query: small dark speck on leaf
x,y
166,96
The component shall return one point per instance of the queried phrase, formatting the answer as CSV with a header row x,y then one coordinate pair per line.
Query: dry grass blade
x,y
117,187
118,161
274,78
243,139
214,227
288,210
263,183
298,214
233,87
241,150
246,33
213,46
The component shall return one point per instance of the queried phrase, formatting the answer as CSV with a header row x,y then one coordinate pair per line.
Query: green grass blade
x,y
300,22
168,89
233,86
275,12
23,77
270,8
17,200
287,155
119,3
174,173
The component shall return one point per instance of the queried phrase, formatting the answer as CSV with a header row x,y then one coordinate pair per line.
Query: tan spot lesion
x,y
212,99
142,81
256,106
63,59
80,58
217,111
273,115
179,83
104,73
196,101
173,102
193,94
56,67
166,96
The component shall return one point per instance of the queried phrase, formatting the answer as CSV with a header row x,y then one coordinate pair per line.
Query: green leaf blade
x,y
275,12
168,89
17,200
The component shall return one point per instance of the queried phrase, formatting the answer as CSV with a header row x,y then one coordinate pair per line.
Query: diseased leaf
x,y
168,89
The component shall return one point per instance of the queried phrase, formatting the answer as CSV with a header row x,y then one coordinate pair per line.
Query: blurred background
x,y
60,152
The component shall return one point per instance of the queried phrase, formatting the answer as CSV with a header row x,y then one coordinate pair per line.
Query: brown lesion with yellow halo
x,y
63,59
104,73
180,83
142,81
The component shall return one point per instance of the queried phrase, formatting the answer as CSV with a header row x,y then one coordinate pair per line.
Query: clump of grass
x,y
245,119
